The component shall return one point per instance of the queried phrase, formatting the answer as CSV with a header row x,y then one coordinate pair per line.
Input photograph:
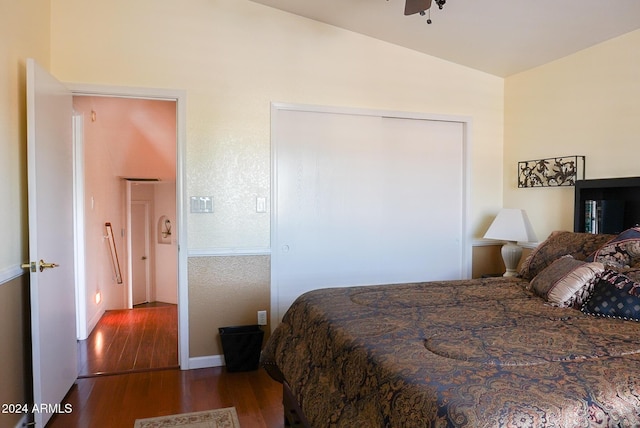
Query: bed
x,y
546,349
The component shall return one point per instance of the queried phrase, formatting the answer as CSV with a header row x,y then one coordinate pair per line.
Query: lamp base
x,y
511,254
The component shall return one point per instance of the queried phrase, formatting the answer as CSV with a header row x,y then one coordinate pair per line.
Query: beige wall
x,y
24,32
15,350
235,57
488,260
585,104
241,285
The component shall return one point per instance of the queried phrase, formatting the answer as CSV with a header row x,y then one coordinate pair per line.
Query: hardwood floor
x,y
131,340
117,401
126,375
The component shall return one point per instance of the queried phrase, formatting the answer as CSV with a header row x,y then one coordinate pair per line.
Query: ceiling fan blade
x,y
415,6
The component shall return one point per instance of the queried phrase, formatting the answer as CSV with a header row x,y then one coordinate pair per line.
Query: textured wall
x,y
584,104
15,338
225,291
233,58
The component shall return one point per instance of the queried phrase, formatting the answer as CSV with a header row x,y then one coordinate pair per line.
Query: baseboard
x,y
205,362
93,322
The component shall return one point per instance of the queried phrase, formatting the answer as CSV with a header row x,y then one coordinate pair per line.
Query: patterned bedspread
x,y
474,353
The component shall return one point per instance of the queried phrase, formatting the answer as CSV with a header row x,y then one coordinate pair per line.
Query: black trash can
x,y
241,346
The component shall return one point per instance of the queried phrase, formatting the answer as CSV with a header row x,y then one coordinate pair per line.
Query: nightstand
x,y
490,275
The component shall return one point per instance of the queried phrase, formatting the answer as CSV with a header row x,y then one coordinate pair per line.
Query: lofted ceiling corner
x,y
499,37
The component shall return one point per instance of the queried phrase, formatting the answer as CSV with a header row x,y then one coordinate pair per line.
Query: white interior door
x,y
140,252
51,237
364,199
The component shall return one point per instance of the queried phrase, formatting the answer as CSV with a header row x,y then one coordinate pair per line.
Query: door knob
x,y
144,257
44,265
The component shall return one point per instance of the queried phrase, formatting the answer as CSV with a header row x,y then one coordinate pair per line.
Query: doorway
x,y
140,259
99,292
151,242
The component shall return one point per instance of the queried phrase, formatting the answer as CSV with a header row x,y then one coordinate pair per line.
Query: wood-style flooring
x,y
117,401
126,377
130,340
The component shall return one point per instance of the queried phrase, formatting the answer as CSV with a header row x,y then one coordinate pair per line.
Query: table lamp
x,y
511,225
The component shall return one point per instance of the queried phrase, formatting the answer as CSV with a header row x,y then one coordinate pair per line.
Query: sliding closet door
x,y
362,199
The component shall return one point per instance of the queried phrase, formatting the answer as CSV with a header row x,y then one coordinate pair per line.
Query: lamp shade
x,y
511,225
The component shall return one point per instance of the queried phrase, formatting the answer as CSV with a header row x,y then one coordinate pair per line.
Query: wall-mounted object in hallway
x,y
164,230
114,254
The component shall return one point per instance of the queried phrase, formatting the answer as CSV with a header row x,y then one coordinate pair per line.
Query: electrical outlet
x,y
262,317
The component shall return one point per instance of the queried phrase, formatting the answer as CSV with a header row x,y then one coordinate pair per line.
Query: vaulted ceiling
x,y
500,37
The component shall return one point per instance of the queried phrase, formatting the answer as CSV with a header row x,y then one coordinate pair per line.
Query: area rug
x,y
219,418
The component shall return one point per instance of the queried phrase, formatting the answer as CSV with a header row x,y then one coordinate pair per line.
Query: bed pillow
x,y
633,273
567,281
621,251
558,244
616,296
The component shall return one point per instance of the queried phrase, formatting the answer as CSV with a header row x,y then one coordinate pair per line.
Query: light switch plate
x,y
201,204
261,204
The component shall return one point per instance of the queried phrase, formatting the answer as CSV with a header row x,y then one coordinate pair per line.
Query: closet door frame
x,y
466,123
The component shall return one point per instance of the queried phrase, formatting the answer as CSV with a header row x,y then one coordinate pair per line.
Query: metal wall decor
x,y
551,172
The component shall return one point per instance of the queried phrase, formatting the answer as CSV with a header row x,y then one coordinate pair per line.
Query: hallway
x,y
131,340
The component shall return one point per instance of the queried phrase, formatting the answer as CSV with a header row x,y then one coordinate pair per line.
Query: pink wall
x,y
139,135
123,138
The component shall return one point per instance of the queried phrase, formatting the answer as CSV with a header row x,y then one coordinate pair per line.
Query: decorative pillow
x,y
614,296
621,251
563,281
632,272
558,244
